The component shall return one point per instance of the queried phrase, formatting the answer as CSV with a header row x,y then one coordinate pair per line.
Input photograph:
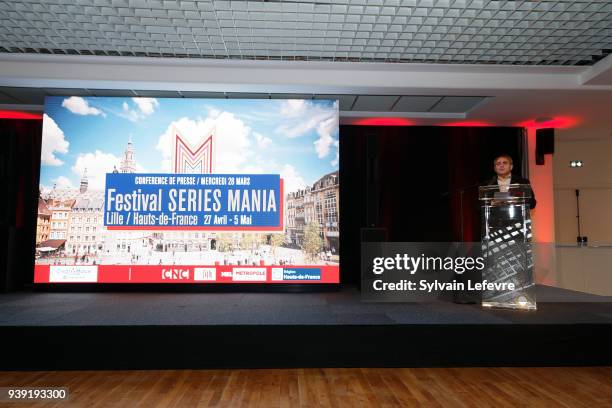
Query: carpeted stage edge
x,y
174,347
96,331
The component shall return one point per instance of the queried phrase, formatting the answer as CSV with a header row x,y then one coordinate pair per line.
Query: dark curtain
x,y
415,183
354,184
19,172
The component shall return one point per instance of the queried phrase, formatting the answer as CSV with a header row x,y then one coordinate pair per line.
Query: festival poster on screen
x,y
169,190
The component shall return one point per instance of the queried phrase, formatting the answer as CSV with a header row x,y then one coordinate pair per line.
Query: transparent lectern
x,y
506,247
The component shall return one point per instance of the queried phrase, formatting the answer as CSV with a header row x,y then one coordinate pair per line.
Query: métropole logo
x,y
175,274
249,274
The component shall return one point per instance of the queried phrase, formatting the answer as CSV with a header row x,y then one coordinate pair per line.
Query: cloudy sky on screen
x,y
297,139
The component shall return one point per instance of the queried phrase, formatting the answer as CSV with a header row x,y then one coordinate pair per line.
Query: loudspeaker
x,y
545,143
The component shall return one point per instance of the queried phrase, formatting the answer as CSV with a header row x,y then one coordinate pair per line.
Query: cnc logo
x,y
175,274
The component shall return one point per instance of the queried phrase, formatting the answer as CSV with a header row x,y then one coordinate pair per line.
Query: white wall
x,y
594,180
584,269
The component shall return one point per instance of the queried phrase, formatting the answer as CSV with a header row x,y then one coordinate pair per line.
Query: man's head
x,y
503,165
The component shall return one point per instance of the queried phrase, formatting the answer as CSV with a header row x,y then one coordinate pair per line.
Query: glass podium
x,y
506,247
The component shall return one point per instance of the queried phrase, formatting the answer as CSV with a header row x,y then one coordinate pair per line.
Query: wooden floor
x,y
375,387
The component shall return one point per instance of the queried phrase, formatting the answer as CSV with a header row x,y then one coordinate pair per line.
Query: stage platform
x,y
48,331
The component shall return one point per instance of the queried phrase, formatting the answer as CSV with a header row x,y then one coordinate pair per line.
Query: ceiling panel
x,y
27,96
457,104
436,31
291,96
67,92
362,103
198,94
374,103
158,94
4,98
346,101
416,103
243,95
112,92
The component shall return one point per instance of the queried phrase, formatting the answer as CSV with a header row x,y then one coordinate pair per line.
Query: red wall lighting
x,y
7,114
383,122
468,123
562,122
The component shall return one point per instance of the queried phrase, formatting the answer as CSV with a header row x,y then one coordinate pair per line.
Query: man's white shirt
x,y
504,184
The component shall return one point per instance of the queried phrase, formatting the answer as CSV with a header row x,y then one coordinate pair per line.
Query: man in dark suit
x,y
504,177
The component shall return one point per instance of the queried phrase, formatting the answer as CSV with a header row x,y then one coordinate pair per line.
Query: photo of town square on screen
x,y
178,190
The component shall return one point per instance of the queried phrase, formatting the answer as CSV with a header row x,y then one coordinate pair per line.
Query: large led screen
x,y
170,190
